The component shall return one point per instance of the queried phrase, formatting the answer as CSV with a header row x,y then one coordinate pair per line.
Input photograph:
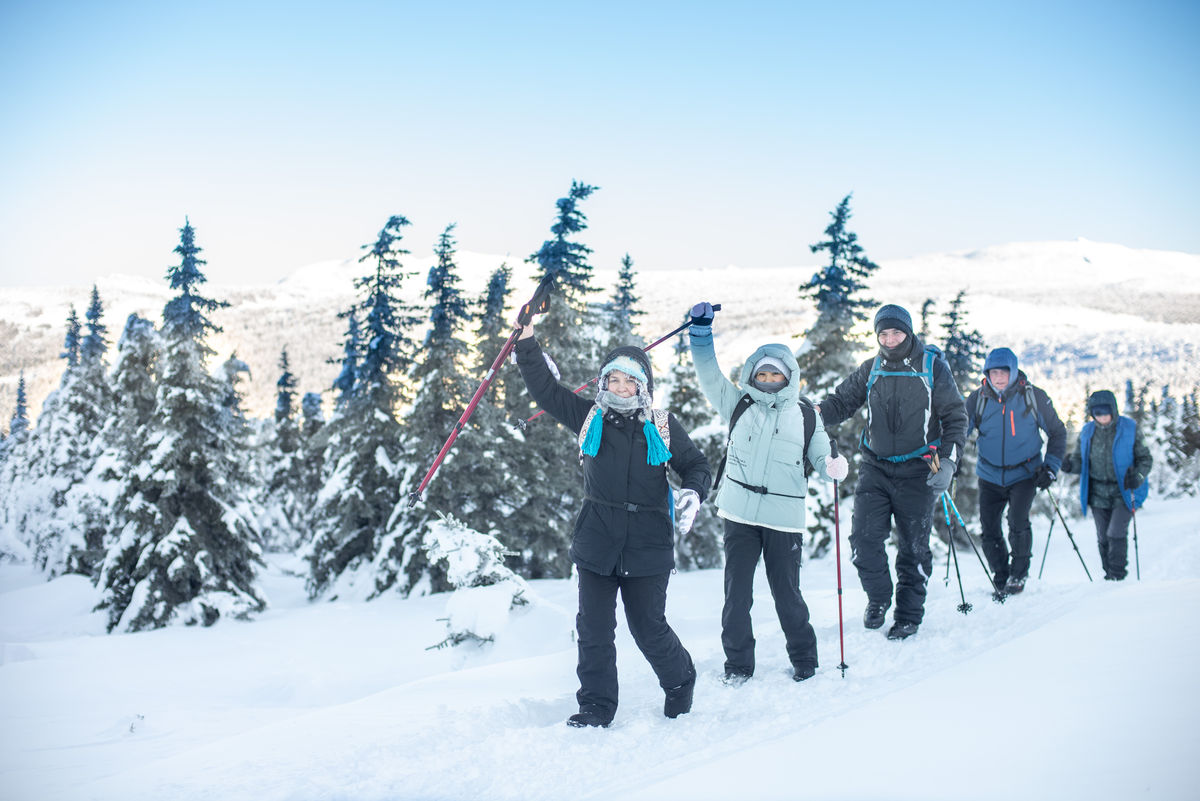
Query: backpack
x,y
745,402
932,354
1030,403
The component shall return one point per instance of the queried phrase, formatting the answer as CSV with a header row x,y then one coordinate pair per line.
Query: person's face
x,y
768,377
891,338
999,378
1102,419
621,384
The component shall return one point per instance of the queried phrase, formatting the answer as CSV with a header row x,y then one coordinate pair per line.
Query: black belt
x,y
760,490
629,507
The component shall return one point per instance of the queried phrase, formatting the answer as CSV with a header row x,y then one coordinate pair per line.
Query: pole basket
x,y
965,607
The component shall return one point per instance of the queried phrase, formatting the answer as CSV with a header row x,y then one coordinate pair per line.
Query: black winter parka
x,y
902,417
611,539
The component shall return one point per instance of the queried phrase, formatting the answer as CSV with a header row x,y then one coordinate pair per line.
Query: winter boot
x,y
902,631
586,718
874,616
736,678
1118,558
679,699
803,672
1014,585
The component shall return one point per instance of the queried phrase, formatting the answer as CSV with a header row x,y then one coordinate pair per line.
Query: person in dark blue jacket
x,y
1010,414
1113,462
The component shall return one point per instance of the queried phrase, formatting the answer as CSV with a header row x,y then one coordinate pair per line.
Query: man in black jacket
x,y
624,534
916,427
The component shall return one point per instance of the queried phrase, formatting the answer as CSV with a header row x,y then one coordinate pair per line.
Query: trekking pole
x,y
1067,529
1137,562
522,423
538,304
837,534
967,534
1046,550
964,607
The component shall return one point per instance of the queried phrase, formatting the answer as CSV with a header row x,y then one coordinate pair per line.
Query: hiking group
x,y
917,424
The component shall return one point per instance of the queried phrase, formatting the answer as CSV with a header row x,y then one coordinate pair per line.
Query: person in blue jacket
x,y
1010,414
1113,462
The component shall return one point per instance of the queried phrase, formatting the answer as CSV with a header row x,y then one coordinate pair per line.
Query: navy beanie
x,y
893,316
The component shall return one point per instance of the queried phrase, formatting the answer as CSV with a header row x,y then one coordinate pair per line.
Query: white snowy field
x,y
1073,690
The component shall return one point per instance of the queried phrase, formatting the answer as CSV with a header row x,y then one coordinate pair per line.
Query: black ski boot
x,y
902,631
679,699
803,672
736,678
586,718
876,613
1014,585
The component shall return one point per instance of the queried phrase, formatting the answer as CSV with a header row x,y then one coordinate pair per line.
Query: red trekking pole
x,y
538,304
522,423
837,534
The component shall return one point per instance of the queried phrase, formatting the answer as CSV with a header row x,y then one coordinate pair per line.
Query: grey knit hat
x,y
893,316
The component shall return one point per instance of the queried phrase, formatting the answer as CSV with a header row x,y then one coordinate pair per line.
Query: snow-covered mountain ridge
x,y
1079,313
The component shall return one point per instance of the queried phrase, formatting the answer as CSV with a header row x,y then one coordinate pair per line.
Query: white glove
x,y
687,504
836,468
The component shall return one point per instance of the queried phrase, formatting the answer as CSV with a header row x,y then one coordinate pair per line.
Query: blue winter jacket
x,y
1123,458
1010,439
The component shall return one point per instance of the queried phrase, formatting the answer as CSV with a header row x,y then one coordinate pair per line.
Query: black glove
x,y
1133,479
940,481
1068,464
1044,478
703,313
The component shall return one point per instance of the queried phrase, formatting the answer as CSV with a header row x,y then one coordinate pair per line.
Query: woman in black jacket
x,y
624,534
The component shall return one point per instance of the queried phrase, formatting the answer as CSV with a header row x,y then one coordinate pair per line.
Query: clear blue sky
x,y
719,133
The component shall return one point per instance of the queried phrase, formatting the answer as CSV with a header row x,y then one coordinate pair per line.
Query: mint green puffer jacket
x,y
767,446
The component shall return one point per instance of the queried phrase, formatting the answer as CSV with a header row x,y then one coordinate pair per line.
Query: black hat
x,y
893,316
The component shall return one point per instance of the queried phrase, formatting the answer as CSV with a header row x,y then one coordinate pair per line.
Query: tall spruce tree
x,y
831,349
965,352
363,452
572,333
442,392
95,345
623,309
18,425
71,340
185,544
347,379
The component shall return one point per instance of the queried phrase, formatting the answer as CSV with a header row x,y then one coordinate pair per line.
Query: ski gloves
x,y
836,467
687,504
1133,479
703,314
940,481
1044,478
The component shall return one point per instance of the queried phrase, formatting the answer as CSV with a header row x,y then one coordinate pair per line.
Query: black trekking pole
x,y
837,534
1067,529
522,423
1136,559
538,304
967,534
964,607
1046,550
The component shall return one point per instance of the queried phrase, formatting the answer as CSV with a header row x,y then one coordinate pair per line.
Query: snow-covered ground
x,y
1073,690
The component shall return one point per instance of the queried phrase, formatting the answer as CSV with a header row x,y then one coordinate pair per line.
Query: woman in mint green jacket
x,y
762,495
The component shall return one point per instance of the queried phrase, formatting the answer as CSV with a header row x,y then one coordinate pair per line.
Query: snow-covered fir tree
x,y
71,340
832,350
185,547
573,334
701,547
442,393
347,377
95,344
281,492
362,443
623,310
965,352
18,425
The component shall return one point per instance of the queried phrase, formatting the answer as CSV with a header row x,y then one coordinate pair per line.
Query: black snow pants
x,y
782,553
992,500
1112,537
887,491
645,601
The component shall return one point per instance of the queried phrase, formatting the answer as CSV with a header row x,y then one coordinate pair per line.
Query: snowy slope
x,y
1073,690
1081,314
